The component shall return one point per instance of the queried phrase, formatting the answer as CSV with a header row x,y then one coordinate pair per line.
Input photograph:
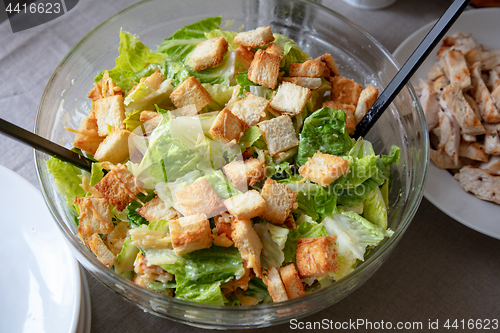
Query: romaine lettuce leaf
x,y
291,51
375,209
134,218
96,174
252,137
220,95
143,97
222,74
132,120
135,61
273,240
258,289
67,179
124,263
324,131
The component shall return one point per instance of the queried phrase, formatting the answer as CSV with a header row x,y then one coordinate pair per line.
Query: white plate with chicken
x,y
464,129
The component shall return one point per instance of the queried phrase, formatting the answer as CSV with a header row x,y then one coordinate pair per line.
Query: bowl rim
x,y
406,214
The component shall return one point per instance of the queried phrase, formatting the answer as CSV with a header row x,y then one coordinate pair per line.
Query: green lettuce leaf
x,y
355,196
67,179
252,137
135,219
135,61
96,174
273,240
258,289
143,97
324,131
124,263
220,96
291,51
375,209
303,230
132,120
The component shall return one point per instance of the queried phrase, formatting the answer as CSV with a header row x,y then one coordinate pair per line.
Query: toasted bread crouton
x,y
156,209
279,199
253,38
248,243
246,205
209,53
95,216
153,81
190,233
221,240
114,148
345,90
291,280
306,82
106,87
97,246
227,127
251,109
190,92
114,240
480,183
350,121
290,222
324,169
279,134
309,68
244,57
236,173
119,187
110,113
87,137
330,63
223,224
275,286
275,49
366,99
290,98
255,170
264,69
316,257
199,198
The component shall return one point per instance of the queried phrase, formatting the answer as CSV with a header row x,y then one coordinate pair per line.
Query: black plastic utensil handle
x,y
410,67
44,145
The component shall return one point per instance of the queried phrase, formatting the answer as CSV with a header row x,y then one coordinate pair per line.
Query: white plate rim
x,y
441,189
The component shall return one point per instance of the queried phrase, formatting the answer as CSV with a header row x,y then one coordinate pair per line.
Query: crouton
x,y
234,97
106,87
227,127
345,90
330,63
221,240
458,105
199,198
279,134
190,92
291,280
290,98
114,240
366,99
309,68
190,233
275,49
119,187
306,82
350,122
255,170
95,216
290,222
251,109
87,137
316,257
324,169
246,205
264,69
223,224
279,199
244,57
248,243
153,81
97,246
110,113
253,38
209,53
114,148
156,209
275,286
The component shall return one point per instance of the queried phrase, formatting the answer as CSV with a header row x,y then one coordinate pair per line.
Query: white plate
x,y
40,283
441,188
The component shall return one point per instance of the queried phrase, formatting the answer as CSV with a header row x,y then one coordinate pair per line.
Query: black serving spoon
x,y
366,123
410,67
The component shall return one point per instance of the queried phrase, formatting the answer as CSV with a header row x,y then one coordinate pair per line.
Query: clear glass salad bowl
x,y
317,30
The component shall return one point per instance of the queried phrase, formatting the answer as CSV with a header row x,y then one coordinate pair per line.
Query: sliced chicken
x,y
492,139
440,83
473,150
494,80
468,138
495,94
473,105
443,161
449,140
488,59
492,166
481,183
435,71
455,69
458,105
430,104
489,112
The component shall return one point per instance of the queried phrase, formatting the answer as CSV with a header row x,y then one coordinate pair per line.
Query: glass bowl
x,y
317,30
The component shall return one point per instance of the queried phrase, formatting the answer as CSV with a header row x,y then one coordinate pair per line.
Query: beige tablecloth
x,y
440,269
